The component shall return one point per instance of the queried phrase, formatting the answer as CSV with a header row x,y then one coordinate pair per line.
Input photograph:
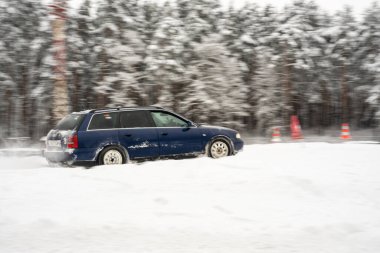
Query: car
x,y
118,135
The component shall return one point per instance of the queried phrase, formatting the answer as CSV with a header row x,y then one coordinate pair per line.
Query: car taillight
x,y
72,141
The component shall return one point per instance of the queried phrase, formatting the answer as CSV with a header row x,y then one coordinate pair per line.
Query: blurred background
x,y
247,66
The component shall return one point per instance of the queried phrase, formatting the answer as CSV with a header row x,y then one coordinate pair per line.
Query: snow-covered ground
x,y
294,197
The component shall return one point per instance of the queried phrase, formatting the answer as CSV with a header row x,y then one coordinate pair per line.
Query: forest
x,y
249,68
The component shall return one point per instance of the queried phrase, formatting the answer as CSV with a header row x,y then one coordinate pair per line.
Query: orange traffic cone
x,y
295,128
276,135
345,133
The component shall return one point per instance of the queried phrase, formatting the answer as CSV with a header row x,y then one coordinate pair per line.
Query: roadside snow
x,y
300,197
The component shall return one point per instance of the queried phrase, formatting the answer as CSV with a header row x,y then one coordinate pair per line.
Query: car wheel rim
x,y
219,149
112,157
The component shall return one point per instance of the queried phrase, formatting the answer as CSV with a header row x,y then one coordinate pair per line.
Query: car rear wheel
x,y
218,149
111,156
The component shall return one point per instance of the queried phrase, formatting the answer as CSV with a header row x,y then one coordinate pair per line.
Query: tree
x,y
217,89
166,74
80,57
370,55
118,60
270,106
299,46
343,42
24,41
245,31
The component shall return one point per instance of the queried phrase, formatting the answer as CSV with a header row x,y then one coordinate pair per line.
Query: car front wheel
x,y
218,149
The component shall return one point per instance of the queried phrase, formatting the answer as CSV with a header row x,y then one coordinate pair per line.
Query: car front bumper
x,y
238,145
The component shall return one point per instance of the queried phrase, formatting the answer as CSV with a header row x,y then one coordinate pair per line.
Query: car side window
x,y
163,119
134,119
103,121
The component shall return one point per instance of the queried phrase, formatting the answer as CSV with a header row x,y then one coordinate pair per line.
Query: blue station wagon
x,y
118,135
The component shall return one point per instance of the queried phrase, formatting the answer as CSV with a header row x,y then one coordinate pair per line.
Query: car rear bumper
x,y
58,156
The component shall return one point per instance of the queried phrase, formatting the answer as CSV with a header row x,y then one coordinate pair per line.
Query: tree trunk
x,y
288,86
9,112
60,92
344,94
76,92
24,103
325,110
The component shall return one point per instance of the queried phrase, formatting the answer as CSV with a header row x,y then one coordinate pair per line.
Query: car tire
x,y
219,148
112,156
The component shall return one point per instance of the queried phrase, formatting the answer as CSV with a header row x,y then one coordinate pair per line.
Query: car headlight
x,y
238,136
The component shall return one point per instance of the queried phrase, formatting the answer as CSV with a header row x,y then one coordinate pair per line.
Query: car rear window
x,y
103,121
70,122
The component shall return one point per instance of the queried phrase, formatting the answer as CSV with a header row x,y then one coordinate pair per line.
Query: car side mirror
x,y
191,124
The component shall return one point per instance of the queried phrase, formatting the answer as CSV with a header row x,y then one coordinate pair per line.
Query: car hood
x,y
215,127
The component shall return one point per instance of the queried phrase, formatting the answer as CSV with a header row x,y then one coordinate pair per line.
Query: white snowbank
x,y
303,197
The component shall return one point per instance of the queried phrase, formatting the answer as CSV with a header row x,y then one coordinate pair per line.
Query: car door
x,y
138,134
175,135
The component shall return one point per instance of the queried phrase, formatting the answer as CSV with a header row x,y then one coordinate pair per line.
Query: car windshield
x,y
70,122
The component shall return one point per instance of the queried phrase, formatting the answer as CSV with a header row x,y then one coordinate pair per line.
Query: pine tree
x,y
244,32
370,55
164,61
22,47
117,78
343,40
41,94
80,57
190,56
217,89
270,106
151,13
297,44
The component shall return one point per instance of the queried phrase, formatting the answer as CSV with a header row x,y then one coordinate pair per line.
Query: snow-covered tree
x,y
299,45
81,57
244,32
270,107
118,57
221,66
22,46
151,13
217,89
166,74
202,17
343,41
370,54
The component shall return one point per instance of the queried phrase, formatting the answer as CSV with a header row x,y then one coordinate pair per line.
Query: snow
x,y
247,39
293,197
22,151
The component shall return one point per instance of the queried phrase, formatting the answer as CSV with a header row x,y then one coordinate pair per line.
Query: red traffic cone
x,y
345,132
295,128
276,135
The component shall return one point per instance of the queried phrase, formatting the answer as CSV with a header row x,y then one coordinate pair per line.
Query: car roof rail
x,y
102,109
157,107
125,107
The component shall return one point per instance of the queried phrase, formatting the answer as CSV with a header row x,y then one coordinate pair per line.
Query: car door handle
x,y
127,135
164,134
